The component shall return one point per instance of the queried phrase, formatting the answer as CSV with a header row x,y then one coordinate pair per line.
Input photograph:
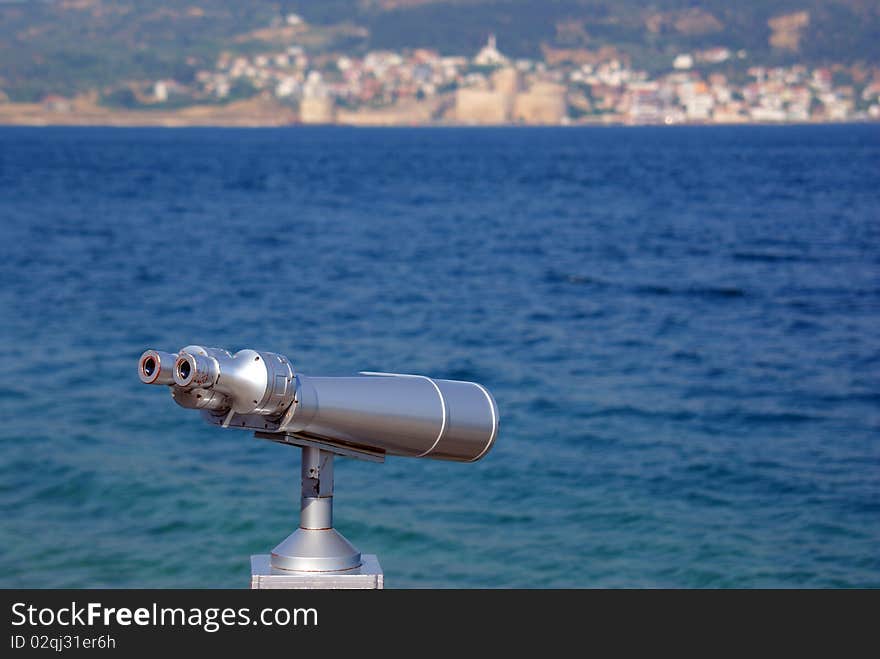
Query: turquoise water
x,y
680,327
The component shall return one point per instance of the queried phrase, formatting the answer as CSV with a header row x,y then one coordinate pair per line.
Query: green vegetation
x,y
47,48
241,88
120,98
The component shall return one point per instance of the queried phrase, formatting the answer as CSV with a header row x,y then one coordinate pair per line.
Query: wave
x,y
691,291
770,257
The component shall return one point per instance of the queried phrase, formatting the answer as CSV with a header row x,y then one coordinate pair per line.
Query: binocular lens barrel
x,y
157,367
194,370
407,415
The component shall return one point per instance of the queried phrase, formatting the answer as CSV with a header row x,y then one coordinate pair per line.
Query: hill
x,y
70,46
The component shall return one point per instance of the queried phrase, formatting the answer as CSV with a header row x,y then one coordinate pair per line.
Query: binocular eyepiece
x,y
248,382
387,413
157,367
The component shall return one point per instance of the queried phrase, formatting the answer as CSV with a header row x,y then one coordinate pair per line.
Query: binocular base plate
x,y
367,576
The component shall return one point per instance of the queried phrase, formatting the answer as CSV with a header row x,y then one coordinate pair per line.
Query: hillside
x,y
70,46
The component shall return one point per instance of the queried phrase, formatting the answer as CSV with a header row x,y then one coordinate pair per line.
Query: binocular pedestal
x,y
316,555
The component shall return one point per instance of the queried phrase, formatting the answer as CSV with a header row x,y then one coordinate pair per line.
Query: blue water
x,y
681,328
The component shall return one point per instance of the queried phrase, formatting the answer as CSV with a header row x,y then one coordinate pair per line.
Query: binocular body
x,y
392,414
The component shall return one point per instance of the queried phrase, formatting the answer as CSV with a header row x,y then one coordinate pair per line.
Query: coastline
x,y
243,114
266,113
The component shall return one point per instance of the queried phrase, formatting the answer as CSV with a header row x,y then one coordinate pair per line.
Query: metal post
x,y
316,506
316,555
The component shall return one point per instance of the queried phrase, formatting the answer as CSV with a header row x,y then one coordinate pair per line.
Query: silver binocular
x,y
373,413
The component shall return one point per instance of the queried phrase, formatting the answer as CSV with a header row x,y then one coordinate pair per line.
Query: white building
x,y
314,86
163,89
222,88
287,86
489,55
698,107
683,61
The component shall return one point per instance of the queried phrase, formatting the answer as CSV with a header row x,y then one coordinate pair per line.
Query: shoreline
x,y
268,113
273,122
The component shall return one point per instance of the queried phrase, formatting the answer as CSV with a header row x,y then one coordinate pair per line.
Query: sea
x,y
681,327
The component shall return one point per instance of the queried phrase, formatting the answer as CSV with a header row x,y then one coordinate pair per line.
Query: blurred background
x,y
678,322
405,62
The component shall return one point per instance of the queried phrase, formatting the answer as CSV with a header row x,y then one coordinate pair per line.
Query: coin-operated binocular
x,y
367,416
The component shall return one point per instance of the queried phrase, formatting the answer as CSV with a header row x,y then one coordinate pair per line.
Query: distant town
x,y
288,85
